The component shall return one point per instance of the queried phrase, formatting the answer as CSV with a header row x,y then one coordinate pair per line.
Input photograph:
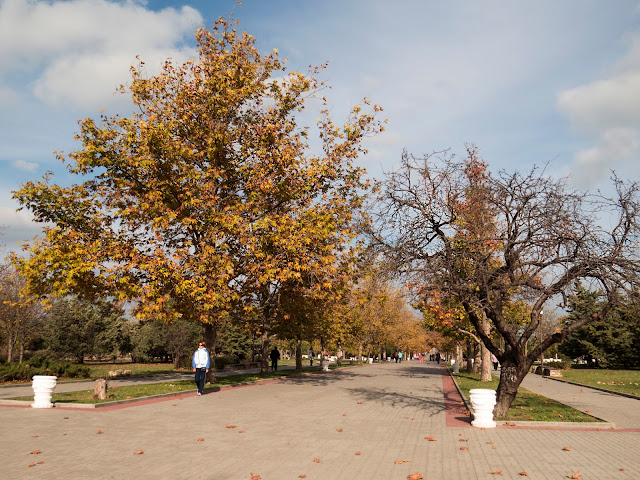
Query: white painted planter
x,y
43,386
325,365
371,361
482,401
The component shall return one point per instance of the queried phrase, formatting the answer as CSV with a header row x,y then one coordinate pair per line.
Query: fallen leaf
x,y
463,439
430,438
302,476
339,429
493,448
174,404
567,449
415,476
523,474
200,440
588,411
357,453
40,462
32,464
65,418
99,432
316,460
464,448
230,426
621,469
489,443
240,431
255,477
35,436
398,462
575,476
497,472
344,414
35,452
139,452
360,403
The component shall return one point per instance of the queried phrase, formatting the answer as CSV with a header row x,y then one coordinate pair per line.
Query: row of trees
x,y
216,202
376,318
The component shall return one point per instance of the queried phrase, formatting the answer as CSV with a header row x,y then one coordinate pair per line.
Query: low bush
x,y
11,372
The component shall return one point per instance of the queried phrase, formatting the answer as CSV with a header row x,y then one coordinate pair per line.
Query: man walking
x,y
275,356
200,363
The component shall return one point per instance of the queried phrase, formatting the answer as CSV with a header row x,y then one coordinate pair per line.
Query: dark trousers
x,y
274,364
201,375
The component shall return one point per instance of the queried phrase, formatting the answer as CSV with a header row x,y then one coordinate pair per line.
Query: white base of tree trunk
x,y
43,386
325,365
483,400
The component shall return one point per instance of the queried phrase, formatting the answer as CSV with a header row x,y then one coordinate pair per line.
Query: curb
x,y
162,396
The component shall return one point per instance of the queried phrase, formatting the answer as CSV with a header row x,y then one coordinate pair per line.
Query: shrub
x,y
10,372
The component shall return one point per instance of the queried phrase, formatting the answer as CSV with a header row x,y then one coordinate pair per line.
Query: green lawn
x,y
101,370
624,381
527,405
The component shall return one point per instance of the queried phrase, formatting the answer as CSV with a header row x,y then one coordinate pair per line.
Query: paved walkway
x,y
373,422
622,411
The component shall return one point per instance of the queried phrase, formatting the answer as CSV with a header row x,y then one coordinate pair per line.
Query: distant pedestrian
x,y
438,358
494,360
312,355
201,363
399,357
275,356
420,357
395,357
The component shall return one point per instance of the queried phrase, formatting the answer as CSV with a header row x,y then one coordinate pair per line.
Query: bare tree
x,y
544,239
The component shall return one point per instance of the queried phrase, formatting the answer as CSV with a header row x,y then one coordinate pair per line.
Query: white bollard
x,y
482,401
43,386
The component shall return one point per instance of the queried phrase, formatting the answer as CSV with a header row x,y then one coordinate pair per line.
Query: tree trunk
x,y
458,353
299,355
360,352
264,361
469,356
511,376
477,358
210,333
485,353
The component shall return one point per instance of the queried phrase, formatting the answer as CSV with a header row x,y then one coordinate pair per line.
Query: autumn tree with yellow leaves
x,y
208,198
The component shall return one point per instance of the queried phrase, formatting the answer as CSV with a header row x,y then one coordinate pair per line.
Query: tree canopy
x,y
209,196
537,241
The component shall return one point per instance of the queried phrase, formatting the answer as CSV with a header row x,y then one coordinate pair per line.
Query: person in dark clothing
x,y
438,358
275,356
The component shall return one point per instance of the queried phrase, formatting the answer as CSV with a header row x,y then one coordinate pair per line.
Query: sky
x,y
527,82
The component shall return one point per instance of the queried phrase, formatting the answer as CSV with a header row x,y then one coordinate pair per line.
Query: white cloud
x,y
607,111
609,103
27,166
16,226
81,50
615,148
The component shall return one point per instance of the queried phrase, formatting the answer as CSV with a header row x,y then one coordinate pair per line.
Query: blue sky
x,y
527,82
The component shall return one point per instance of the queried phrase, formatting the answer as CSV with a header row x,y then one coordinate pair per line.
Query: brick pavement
x,y
384,413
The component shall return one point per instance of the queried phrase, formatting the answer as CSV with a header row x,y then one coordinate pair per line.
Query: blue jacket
x,y
201,359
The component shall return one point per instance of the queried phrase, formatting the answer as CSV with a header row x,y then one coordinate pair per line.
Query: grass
x,y
527,406
101,370
624,381
147,390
